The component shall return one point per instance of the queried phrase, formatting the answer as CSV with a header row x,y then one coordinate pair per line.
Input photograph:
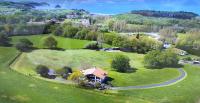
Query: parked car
x,y
196,62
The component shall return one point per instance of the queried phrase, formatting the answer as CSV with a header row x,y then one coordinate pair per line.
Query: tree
x,y
138,36
151,59
161,59
4,40
24,45
92,35
42,70
70,31
119,41
168,35
93,46
8,29
82,34
58,31
111,24
190,42
121,63
109,37
50,42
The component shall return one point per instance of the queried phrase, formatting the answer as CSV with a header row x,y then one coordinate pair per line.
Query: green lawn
x,y
65,43
18,88
186,91
27,63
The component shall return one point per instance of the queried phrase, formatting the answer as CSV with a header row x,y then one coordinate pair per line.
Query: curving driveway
x,y
182,76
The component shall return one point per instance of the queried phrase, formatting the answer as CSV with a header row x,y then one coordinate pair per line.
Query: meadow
x,y
64,43
78,59
16,87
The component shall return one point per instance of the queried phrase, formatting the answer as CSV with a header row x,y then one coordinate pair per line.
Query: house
x,y
95,74
85,22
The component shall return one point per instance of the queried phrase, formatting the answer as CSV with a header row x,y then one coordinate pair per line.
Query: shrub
x,y
65,72
75,76
187,58
121,63
50,42
42,70
93,46
24,45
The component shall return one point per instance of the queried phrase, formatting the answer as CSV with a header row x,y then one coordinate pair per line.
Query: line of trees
x,y
140,44
190,42
70,31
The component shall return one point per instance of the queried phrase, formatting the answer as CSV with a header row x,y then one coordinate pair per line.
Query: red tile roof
x,y
95,71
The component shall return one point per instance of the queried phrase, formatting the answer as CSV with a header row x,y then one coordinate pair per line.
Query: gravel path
x,y
183,74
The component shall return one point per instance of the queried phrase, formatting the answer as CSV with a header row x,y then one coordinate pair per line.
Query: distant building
x,y
85,22
72,16
166,45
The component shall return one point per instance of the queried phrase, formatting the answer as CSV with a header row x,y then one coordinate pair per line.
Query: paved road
x,y
183,74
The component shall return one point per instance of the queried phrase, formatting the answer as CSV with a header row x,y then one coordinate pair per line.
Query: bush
x,y
24,45
109,37
66,71
50,42
187,58
75,76
93,46
121,63
43,71
161,59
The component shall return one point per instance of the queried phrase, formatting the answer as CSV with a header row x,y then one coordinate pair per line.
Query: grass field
x,y
27,63
18,88
65,43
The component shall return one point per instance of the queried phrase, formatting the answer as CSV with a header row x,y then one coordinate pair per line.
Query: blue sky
x,y
120,6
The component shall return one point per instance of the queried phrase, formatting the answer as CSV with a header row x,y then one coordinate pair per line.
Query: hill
x,y
167,14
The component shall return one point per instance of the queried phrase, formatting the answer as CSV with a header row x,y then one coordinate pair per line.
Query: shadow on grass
x,y
58,49
176,66
6,45
131,70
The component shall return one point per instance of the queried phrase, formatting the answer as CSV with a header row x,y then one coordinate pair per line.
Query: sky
x,y
121,6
